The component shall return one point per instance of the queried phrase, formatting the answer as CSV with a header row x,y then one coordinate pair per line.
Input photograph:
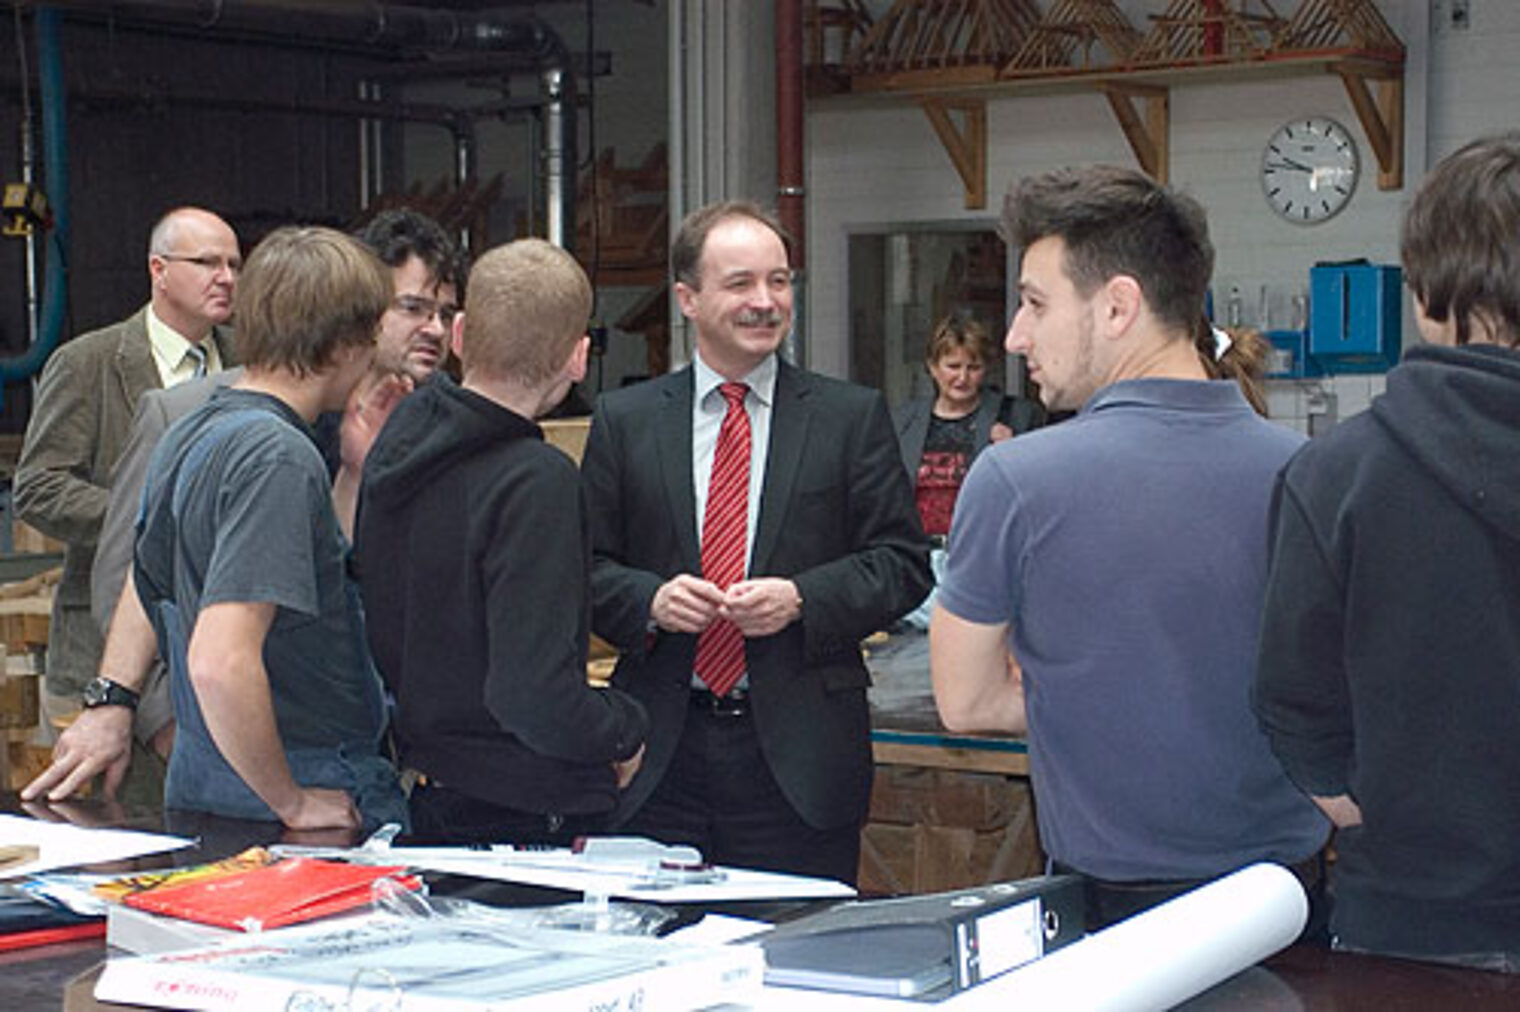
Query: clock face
x,y
1309,169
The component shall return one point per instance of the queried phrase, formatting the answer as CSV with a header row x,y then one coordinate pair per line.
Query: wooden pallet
x,y
25,615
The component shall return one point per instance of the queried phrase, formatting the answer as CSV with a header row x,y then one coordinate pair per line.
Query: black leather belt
x,y
1310,872
735,704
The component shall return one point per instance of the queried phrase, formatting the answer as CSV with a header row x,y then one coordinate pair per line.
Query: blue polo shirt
x,y
1126,548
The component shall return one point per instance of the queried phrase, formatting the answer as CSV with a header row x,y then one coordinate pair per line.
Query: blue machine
x,y
1355,317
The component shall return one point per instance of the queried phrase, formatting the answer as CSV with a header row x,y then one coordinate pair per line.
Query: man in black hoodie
x,y
1389,671
474,559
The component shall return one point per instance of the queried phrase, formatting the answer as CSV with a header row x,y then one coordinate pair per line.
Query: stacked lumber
x,y
25,607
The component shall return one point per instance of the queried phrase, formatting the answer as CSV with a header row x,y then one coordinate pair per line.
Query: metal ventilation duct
x,y
364,24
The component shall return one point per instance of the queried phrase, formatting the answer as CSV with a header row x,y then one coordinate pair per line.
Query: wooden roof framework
x,y
937,35
833,33
949,53
1373,73
1211,31
1336,24
1097,29
923,40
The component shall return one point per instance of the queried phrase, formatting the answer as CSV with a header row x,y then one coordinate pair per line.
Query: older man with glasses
x,y
427,274
81,415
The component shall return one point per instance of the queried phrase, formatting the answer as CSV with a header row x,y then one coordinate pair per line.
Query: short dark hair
x,y
399,234
304,293
1119,221
1461,239
691,236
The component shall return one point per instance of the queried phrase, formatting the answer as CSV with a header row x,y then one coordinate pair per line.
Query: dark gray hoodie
x,y
474,555
1390,652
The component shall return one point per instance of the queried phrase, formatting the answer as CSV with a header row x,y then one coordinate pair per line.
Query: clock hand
x,y
1288,163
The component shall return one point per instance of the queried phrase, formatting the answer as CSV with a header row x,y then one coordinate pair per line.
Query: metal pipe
x,y
791,194
676,125
321,21
28,176
441,115
55,168
676,199
371,163
464,165
790,191
380,24
558,155
312,22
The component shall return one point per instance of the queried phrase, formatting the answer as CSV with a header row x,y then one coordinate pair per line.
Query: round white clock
x,y
1309,169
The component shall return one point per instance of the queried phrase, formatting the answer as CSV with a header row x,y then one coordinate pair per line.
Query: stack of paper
x,y
624,867
60,845
437,963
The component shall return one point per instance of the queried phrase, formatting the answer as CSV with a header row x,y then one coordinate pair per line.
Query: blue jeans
x,y
200,780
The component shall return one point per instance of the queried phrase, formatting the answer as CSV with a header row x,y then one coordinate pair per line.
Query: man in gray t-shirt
x,y
241,565
1121,557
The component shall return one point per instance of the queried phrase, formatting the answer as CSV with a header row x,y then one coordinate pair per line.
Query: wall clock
x,y
1309,169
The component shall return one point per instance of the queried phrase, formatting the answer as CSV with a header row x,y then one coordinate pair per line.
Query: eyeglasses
x,y
208,263
421,309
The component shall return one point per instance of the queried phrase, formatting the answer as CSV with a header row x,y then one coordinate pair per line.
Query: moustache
x,y
760,318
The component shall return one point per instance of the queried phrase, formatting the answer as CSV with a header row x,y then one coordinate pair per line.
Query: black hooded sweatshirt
x,y
474,561
1390,652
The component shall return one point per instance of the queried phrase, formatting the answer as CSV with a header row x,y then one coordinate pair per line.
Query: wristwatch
x,y
101,691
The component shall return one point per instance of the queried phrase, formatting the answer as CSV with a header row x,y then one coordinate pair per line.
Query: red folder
x,y
286,892
53,936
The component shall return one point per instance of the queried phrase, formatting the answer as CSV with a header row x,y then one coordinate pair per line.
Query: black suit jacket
x,y
836,517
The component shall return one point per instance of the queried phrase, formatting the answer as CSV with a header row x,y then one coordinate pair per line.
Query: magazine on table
x,y
437,963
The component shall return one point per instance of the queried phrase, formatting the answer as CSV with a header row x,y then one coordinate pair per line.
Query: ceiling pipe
x,y
47,333
558,156
318,22
395,26
791,194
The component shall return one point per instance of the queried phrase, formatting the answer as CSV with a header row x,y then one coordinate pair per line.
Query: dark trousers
x,y
718,795
1111,902
442,816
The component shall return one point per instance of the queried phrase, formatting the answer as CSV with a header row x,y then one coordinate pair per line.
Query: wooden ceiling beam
x,y
1382,119
1149,133
965,144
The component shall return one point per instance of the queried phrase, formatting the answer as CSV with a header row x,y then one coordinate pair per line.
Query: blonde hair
x,y
954,333
528,304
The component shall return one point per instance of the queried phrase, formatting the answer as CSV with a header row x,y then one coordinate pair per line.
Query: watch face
x,y
103,692
95,692
1309,169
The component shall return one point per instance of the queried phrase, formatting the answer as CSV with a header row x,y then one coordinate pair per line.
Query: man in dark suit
x,y
84,405
759,753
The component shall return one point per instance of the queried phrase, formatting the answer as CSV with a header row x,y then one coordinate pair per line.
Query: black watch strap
x,y
101,691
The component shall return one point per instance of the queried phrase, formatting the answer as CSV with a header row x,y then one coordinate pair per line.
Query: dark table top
x,y
1299,978
1311,978
905,725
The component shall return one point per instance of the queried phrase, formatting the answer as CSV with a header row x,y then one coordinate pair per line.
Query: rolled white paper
x,y
1163,956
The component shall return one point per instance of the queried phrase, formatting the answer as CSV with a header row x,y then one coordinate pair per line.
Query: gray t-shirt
x,y
1126,547
238,509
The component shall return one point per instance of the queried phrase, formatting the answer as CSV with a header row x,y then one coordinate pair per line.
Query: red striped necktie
x,y
725,537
